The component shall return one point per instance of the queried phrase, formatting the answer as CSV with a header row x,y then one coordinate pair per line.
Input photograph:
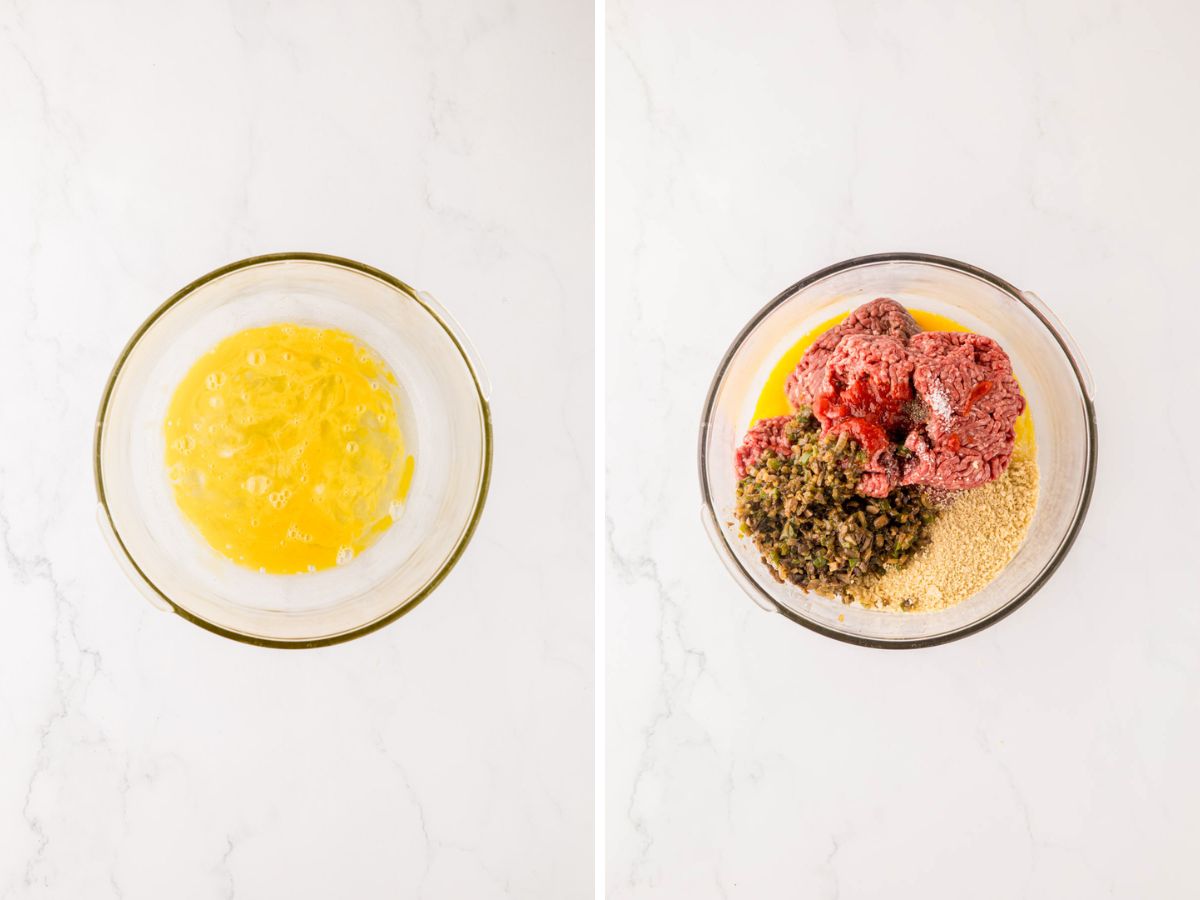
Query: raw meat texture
x,y
767,434
949,399
882,316
966,383
881,471
867,377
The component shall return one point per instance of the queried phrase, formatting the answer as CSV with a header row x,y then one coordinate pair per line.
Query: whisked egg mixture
x,y
284,448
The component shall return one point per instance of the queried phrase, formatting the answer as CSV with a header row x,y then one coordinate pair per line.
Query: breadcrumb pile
x,y
968,544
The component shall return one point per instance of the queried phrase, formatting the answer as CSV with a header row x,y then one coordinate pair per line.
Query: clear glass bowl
x,y
1052,374
446,420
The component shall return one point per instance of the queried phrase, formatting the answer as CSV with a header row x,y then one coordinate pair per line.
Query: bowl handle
x,y
709,518
1053,321
143,587
485,384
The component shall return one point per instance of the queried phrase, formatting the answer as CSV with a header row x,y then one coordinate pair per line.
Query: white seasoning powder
x,y
940,403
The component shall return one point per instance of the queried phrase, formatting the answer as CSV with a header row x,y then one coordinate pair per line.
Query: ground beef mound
x,y
866,393
767,434
882,316
965,382
934,409
867,377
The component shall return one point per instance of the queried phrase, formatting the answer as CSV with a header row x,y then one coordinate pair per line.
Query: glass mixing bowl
x,y
1046,362
443,399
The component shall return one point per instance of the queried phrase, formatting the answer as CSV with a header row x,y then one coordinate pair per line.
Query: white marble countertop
x,y
143,144
1052,755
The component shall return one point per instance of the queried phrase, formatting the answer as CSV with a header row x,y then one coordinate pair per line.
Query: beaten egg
x,y
284,448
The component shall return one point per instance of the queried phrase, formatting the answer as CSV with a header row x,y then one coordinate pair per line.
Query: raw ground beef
x,y
948,399
868,377
881,470
880,316
865,393
966,383
767,434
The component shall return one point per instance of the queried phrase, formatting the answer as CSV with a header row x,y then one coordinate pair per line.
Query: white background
x,y
1055,144
143,144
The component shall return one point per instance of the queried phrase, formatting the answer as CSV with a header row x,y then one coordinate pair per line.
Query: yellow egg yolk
x,y
284,448
772,401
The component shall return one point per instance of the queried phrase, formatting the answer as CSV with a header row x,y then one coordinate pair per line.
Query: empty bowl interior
x,y
1055,386
443,416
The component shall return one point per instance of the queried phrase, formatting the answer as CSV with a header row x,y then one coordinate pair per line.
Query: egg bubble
x,y
352,447
215,402
258,484
214,380
344,555
256,357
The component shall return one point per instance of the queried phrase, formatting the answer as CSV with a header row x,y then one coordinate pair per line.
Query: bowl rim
x,y
481,494
746,580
